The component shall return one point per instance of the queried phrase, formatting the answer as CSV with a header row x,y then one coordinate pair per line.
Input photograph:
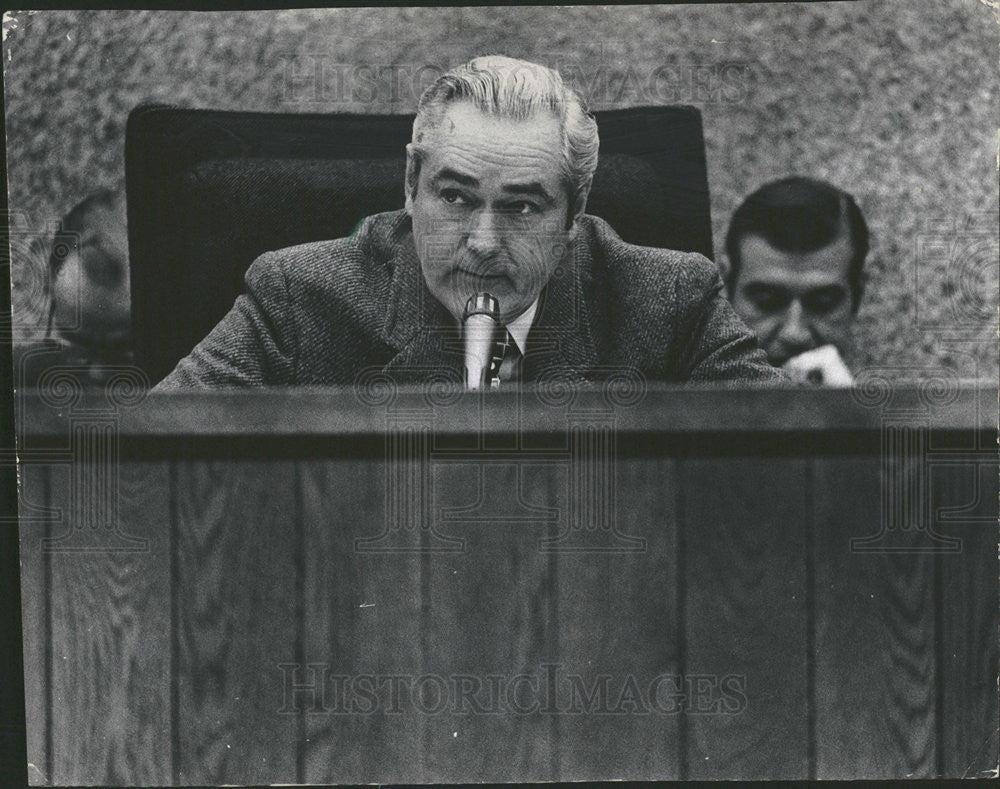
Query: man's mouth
x,y
778,359
486,275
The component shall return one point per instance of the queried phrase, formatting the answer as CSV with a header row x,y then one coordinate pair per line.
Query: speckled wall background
x,y
896,102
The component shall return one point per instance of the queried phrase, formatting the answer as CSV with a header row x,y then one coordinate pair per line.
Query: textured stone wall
x,y
894,101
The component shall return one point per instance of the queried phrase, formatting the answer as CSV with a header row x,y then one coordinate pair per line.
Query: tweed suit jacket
x,y
332,312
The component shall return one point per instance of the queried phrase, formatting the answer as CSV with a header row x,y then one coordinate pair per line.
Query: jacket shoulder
x,y
647,278
346,273
354,256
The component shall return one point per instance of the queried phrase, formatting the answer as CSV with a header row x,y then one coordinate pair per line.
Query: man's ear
x,y
857,297
412,175
580,201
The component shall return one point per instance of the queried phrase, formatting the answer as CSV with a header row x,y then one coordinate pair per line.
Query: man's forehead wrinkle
x,y
451,174
791,278
525,187
802,283
471,161
530,184
839,250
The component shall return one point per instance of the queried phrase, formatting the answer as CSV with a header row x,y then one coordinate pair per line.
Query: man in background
x,y
88,296
796,249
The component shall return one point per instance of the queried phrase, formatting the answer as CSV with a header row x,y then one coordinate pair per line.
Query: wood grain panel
x,y
110,627
618,633
236,582
33,498
965,498
875,627
490,614
177,664
329,411
745,523
364,618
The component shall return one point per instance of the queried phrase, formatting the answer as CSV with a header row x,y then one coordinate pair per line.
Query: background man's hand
x,y
821,366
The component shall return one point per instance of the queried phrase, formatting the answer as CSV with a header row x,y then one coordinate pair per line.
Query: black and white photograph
x,y
495,394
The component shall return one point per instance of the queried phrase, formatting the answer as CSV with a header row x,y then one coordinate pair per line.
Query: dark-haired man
x,y
796,251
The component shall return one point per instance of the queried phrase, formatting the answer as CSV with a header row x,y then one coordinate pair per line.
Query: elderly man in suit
x,y
498,173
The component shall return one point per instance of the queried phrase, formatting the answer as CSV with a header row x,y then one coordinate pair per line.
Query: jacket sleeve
x,y
253,345
718,347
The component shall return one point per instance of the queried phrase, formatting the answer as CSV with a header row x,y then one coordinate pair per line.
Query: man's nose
x,y
795,331
484,233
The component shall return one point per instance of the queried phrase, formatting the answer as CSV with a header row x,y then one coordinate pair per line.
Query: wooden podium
x,y
413,586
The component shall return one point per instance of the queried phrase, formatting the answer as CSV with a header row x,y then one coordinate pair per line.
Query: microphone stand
x,y
480,323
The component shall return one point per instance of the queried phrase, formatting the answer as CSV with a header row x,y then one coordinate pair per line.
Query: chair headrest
x,y
209,191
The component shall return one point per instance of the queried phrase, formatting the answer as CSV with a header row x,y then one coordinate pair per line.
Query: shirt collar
x,y
520,326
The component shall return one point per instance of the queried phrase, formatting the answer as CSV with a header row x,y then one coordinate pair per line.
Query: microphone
x,y
480,322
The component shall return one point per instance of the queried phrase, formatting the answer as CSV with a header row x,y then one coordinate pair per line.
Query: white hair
x,y
517,90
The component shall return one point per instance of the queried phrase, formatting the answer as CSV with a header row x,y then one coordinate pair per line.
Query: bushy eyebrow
x,y
447,174
758,285
531,188
770,285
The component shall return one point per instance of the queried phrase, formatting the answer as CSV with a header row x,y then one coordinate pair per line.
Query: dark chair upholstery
x,y
209,191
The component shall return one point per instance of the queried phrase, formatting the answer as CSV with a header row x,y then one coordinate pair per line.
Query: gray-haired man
x,y
498,173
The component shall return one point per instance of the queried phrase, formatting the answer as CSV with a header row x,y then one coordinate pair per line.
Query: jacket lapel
x,y
417,326
560,344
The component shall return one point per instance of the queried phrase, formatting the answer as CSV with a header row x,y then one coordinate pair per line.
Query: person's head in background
x,y
796,249
89,292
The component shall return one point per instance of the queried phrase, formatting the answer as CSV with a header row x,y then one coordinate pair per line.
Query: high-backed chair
x,y
208,191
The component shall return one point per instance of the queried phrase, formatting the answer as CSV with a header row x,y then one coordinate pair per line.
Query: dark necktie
x,y
505,364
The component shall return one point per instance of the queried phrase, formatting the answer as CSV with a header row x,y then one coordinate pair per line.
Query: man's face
x,y
795,301
91,290
490,208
